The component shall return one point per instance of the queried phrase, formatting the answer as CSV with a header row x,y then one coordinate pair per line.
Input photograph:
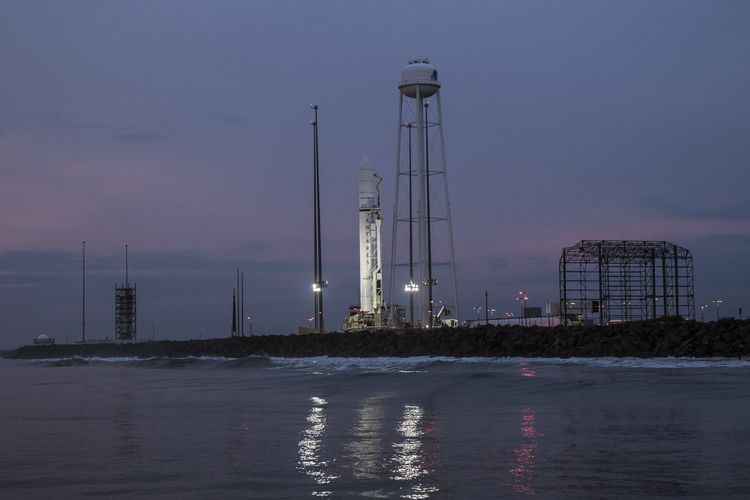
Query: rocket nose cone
x,y
365,163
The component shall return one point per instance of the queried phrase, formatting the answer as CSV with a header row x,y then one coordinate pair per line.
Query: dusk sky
x,y
182,129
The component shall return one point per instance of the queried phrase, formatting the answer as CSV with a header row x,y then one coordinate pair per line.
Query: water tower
x,y
423,271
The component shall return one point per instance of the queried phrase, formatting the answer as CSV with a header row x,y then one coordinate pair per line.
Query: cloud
x,y
226,119
56,120
736,242
37,262
724,208
138,136
52,263
498,263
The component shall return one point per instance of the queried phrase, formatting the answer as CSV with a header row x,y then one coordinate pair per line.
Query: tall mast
x,y
319,284
83,291
430,280
242,304
234,313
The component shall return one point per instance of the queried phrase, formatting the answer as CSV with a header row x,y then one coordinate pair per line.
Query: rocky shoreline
x,y
661,338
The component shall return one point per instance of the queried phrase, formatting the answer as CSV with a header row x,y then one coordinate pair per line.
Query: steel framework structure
x,y
610,281
125,313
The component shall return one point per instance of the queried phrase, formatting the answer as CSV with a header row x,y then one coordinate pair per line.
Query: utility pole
x,y
486,308
83,291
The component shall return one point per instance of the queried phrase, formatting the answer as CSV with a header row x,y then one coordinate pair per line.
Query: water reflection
x,y
524,456
126,445
526,370
366,450
311,461
410,458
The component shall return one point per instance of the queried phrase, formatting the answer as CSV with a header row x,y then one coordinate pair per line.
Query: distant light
x,y
411,287
318,286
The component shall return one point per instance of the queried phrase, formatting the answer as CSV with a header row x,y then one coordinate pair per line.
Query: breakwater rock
x,y
645,339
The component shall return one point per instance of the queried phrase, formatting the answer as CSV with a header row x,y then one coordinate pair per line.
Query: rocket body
x,y
370,257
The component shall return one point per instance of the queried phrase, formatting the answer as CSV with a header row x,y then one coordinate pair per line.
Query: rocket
x,y
370,256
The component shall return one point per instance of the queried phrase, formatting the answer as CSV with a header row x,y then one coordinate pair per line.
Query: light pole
x,y
250,325
411,288
703,307
486,308
523,300
478,310
319,283
717,302
83,291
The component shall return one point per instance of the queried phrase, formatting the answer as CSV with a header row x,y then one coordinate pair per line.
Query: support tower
x,y
422,256
125,308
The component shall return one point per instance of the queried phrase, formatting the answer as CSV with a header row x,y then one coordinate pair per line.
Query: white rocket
x,y
370,257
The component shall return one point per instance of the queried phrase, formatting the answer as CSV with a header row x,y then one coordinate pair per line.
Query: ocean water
x,y
415,428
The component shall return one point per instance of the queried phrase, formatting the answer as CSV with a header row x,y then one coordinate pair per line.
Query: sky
x,y
182,129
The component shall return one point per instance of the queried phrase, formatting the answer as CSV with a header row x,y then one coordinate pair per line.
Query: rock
x,y
642,339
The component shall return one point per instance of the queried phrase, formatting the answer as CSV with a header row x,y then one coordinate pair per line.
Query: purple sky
x,y
181,128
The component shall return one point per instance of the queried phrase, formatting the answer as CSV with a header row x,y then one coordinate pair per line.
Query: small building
x,y
43,339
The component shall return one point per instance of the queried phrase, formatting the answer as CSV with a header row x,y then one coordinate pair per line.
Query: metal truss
x,y
611,281
125,313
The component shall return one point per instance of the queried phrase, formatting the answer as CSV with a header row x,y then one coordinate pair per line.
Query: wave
x,y
157,362
441,364
417,364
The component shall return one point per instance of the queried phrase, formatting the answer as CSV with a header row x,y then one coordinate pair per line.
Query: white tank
x,y
419,73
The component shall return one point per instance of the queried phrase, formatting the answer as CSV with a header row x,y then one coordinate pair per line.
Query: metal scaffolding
x,y
125,319
604,282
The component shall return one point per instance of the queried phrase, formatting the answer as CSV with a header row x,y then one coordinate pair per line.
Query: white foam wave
x,y
322,364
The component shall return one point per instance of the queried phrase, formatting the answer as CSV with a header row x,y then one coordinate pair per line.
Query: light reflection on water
x,y
311,460
126,445
526,369
407,464
524,456
366,450
409,455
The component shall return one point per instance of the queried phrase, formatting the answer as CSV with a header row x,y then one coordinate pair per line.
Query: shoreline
x,y
673,337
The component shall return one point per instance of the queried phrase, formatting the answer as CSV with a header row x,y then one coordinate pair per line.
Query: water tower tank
x,y
419,74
